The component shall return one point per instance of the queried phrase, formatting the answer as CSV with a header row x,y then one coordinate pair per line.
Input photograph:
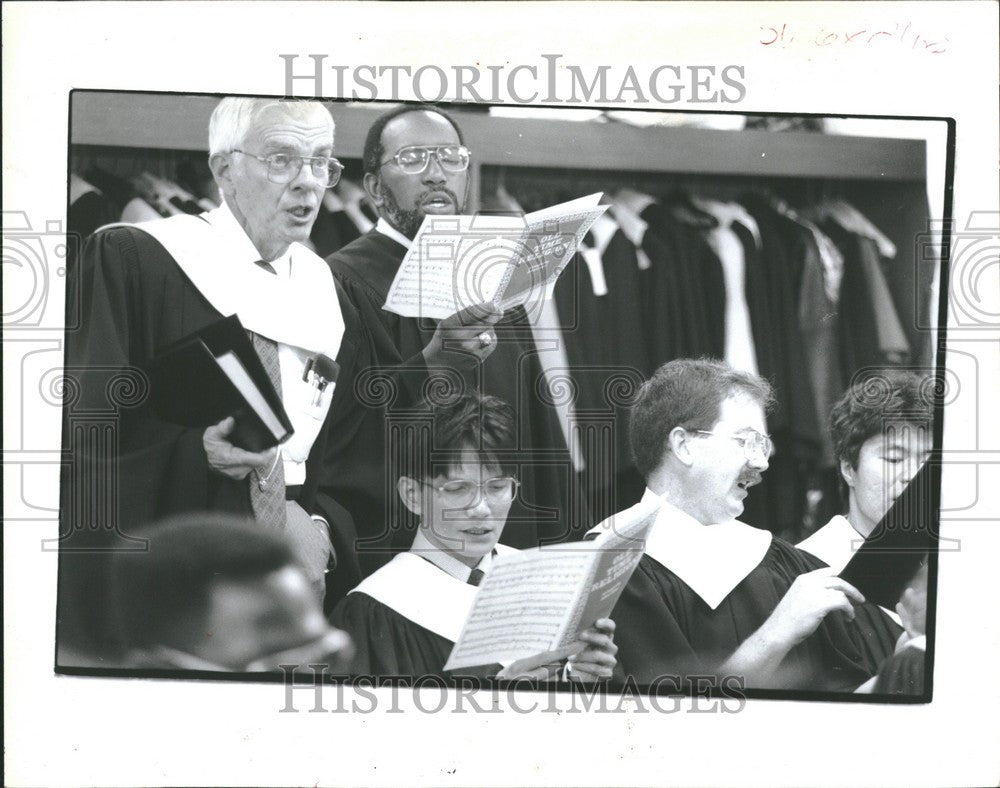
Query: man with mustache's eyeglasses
x,y
715,597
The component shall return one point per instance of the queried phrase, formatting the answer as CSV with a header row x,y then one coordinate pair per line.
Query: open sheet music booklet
x,y
535,603
460,261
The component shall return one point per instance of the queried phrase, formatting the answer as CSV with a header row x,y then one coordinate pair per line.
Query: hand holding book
x,y
215,373
595,661
230,460
538,606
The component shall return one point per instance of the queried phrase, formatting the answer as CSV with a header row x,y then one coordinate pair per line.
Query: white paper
x,y
459,261
521,605
536,601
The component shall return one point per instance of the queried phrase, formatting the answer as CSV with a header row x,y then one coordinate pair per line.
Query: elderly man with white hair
x,y
140,288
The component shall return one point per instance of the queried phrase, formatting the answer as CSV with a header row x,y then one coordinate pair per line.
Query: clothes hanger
x,y
687,210
635,201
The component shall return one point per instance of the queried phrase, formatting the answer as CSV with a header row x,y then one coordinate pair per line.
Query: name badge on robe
x,y
320,371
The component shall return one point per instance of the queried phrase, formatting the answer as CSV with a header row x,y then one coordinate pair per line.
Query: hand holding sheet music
x,y
459,261
533,605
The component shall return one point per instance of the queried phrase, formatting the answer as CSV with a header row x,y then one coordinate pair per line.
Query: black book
x,y
888,559
214,373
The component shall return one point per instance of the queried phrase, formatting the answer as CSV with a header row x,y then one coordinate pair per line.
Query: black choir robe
x,y
665,628
859,334
903,673
548,507
389,642
773,279
126,300
386,643
331,231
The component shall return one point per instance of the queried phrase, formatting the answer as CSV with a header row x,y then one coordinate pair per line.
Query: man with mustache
x,y
712,596
416,165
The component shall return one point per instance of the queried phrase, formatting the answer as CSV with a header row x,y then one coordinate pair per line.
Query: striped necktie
x,y
267,492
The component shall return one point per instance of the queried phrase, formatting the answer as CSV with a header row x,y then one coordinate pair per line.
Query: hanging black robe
x,y
606,349
548,508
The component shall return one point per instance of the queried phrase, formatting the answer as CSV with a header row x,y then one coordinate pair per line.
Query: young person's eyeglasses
x,y
463,492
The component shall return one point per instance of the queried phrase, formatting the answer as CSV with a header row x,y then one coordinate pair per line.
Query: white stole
x,y
711,559
424,594
302,310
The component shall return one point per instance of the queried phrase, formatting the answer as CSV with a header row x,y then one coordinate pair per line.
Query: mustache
x,y
432,194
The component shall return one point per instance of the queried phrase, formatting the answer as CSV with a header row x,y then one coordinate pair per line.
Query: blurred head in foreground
x,y
216,592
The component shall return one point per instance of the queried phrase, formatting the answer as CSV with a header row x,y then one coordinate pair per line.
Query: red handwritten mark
x,y
777,35
826,37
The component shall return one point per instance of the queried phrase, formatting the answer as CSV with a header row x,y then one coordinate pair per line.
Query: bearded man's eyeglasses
x,y
414,159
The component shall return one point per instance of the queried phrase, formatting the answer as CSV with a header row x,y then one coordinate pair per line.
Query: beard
x,y
409,221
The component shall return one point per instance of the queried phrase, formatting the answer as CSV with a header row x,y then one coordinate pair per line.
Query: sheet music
x,y
459,261
454,262
550,245
521,605
538,601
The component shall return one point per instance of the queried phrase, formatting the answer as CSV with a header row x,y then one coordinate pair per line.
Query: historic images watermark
x,y
547,82
669,694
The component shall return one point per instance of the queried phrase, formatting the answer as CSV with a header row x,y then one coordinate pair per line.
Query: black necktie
x,y
267,492
476,577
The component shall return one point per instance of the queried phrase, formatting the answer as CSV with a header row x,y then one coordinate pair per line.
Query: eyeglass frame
x,y
743,440
266,160
439,488
432,150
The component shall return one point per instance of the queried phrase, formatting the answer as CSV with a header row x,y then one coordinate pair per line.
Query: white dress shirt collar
x,y
387,229
711,559
446,562
233,235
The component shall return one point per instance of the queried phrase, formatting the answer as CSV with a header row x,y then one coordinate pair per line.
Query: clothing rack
x,y
175,122
543,162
